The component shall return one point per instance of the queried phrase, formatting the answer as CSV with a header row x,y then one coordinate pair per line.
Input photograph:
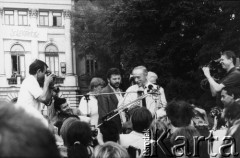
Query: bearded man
x,y
109,102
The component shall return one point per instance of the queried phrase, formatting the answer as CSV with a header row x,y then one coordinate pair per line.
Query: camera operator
x,y
232,77
35,89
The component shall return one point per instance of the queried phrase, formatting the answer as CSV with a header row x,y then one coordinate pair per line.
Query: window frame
x,y
18,55
91,66
18,52
9,19
23,18
44,20
55,56
57,16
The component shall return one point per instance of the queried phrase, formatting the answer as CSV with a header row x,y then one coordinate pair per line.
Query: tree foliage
x,y
171,37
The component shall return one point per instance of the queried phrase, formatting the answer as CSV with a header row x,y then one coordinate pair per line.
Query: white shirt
x,y
27,99
29,92
153,103
90,108
117,93
134,139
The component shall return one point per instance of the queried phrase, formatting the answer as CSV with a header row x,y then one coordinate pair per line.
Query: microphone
x,y
150,88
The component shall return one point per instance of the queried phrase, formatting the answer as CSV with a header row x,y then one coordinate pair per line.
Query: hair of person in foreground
x,y
22,135
180,113
110,150
141,119
77,138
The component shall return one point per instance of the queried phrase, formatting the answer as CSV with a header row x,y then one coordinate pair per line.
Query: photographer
x,y
232,77
35,89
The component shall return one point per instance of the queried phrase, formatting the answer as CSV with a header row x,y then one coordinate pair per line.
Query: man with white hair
x,y
152,102
152,77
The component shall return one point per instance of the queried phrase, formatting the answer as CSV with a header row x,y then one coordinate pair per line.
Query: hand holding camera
x,y
50,78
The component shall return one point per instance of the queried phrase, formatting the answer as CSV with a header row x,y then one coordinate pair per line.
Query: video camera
x,y
215,66
216,71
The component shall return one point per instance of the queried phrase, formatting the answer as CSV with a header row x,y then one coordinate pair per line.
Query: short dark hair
x,y
109,131
180,113
230,54
113,71
57,102
18,141
141,119
36,65
232,91
65,125
78,139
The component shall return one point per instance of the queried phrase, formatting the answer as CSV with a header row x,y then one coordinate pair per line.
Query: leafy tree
x,y
166,36
171,37
90,33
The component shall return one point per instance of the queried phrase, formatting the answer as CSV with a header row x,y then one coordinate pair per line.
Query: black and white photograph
x,y
119,79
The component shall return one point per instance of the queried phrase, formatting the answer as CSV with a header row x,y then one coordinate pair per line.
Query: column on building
x,y
50,18
2,57
68,51
33,14
70,79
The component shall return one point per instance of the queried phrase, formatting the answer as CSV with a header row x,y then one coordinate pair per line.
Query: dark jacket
x,y
106,104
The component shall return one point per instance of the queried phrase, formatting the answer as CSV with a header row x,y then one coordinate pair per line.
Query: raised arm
x,y
46,95
214,86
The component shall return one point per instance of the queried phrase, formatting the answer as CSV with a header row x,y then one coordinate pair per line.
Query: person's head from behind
x,y
23,135
180,113
229,95
64,127
96,85
228,59
38,68
114,77
61,105
109,131
141,119
140,75
152,77
110,150
78,138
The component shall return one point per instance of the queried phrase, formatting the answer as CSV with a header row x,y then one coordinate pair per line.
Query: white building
x,y
36,29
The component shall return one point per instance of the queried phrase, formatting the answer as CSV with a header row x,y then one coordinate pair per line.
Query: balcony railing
x,y
59,80
13,80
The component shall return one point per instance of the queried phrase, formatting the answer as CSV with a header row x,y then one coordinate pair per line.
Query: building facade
x,y
36,29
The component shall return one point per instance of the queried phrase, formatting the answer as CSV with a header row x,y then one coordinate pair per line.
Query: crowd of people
x,y
110,123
